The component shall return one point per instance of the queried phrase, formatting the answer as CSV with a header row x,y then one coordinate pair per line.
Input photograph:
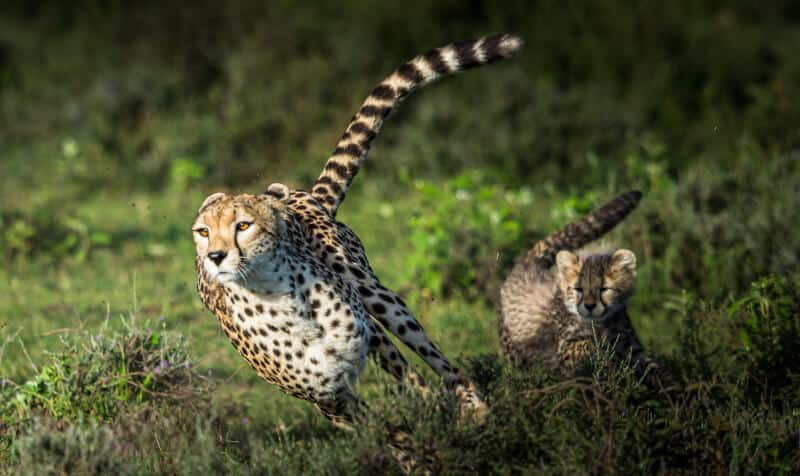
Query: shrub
x,y
99,377
47,231
768,323
473,230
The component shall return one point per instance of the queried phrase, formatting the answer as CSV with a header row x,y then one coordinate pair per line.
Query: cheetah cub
x,y
292,286
552,316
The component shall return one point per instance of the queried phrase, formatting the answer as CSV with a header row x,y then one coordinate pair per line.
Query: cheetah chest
x,y
310,338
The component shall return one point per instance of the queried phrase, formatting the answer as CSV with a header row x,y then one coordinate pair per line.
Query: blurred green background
x,y
117,119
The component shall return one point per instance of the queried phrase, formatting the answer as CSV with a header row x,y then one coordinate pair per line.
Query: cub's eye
x,y
202,232
578,290
243,225
602,290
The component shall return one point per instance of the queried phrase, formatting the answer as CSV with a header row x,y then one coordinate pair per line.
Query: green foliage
x,y
54,449
768,319
98,375
451,238
185,171
472,229
45,232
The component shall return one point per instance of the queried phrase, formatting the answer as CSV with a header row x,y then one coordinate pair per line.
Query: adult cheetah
x,y
292,287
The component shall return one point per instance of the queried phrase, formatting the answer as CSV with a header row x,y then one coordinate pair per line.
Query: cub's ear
x,y
278,191
213,198
623,260
567,263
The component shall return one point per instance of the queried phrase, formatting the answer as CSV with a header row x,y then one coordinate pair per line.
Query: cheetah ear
x,y
623,260
278,191
213,198
567,264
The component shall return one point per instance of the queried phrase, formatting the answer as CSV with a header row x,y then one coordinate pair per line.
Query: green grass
x,y
104,158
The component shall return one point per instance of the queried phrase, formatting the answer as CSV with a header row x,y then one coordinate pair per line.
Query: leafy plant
x,y
768,321
100,374
46,231
474,229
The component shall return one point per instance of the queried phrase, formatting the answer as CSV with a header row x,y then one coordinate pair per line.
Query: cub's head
x,y
596,286
234,234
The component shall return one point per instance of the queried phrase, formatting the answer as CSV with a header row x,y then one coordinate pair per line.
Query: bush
x,y
768,321
47,231
100,377
473,229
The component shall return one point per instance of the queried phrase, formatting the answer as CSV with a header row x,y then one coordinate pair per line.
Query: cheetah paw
x,y
472,408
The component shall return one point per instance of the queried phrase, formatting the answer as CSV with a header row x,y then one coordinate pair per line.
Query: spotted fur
x,y
351,150
292,287
552,316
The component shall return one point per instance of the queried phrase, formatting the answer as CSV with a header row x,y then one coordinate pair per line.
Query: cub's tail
x,y
351,150
589,228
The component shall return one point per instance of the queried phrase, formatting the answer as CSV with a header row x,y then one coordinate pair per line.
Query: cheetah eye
x,y
578,290
602,290
242,225
202,232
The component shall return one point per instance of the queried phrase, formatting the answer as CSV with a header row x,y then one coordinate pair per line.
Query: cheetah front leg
x,y
343,409
393,314
572,352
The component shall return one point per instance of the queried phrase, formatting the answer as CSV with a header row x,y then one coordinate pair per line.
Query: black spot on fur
x,y
364,291
386,298
357,272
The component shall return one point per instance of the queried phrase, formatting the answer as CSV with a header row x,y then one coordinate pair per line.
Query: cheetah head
x,y
596,286
236,235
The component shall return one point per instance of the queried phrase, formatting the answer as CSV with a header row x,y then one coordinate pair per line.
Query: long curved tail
x,y
351,150
589,228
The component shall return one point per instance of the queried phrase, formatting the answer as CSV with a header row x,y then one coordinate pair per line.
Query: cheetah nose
x,y
589,306
217,256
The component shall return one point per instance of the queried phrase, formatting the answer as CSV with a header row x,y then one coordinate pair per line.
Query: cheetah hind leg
x,y
392,361
393,314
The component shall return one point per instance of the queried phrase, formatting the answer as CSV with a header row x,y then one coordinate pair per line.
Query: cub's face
x,y
235,234
596,286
